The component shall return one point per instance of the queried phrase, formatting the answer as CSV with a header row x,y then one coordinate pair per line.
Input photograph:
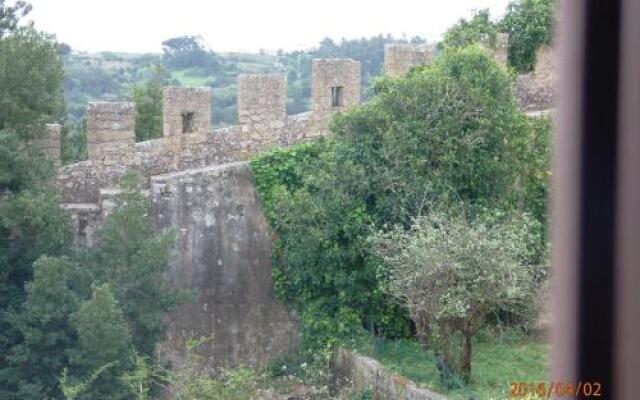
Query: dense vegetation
x,y
529,24
446,139
68,315
423,216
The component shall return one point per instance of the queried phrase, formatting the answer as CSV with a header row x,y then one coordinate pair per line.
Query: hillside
x,y
110,76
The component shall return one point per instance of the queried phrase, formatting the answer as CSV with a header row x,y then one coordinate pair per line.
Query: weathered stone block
x,y
186,110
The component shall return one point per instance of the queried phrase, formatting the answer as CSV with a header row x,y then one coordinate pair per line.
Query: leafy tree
x,y
132,257
10,15
60,326
449,132
188,51
56,292
529,24
452,274
103,339
32,224
31,74
148,99
464,32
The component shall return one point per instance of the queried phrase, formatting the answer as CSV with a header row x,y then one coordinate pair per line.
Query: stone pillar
x,y
400,58
111,131
335,87
52,141
186,110
262,107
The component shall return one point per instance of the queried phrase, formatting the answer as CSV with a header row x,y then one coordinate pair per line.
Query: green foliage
x,y
529,24
57,291
132,256
465,33
452,274
498,360
449,133
61,324
71,390
103,339
148,99
10,15
140,381
188,51
31,79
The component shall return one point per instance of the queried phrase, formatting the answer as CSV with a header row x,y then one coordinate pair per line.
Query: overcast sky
x,y
244,25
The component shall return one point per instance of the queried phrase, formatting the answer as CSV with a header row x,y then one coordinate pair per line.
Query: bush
x,y
451,274
450,133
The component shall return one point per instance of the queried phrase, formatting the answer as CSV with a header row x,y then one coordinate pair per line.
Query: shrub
x,y
451,274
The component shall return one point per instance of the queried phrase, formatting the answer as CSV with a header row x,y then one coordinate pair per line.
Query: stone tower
x,y
335,87
186,110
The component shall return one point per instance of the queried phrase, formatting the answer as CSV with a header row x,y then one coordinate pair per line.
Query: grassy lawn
x,y
497,361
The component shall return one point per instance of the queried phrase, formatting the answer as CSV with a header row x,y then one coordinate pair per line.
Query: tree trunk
x,y
466,362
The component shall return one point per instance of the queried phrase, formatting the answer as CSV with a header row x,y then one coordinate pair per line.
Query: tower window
x,y
337,96
187,122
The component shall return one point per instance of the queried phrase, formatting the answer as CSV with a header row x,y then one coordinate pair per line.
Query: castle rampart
x,y
198,185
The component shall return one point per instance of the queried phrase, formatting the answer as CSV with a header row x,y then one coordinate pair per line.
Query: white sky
x,y
244,25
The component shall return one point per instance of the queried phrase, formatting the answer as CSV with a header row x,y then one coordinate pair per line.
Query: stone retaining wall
x,y
367,373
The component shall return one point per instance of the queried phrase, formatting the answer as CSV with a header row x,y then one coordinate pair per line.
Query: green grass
x,y
188,80
497,361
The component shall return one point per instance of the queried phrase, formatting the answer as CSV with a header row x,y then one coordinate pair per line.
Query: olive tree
x,y
451,274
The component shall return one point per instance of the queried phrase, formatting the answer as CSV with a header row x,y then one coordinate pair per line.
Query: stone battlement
x,y
188,140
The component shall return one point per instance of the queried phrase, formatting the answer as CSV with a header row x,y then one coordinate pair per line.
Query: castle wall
x,y
262,107
110,131
536,90
331,73
180,104
223,254
399,58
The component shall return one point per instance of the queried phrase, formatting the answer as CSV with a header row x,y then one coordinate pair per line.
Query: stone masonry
x,y
110,131
200,186
262,107
223,255
186,110
536,90
329,75
401,58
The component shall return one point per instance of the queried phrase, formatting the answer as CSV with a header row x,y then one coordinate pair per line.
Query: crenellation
x,y
262,107
111,131
335,88
400,58
186,110
200,184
